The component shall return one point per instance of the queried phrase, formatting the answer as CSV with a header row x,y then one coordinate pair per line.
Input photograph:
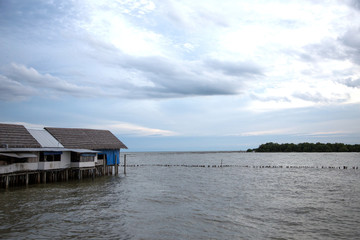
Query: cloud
x,y
327,49
317,97
234,68
29,78
188,17
169,78
269,132
11,90
136,8
132,129
328,133
351,82
311,97
152,77
351,39
354,3
269,98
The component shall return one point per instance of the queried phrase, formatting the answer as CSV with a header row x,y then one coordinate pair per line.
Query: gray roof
x,y
16,136
18,150
45,139
86,138
19,155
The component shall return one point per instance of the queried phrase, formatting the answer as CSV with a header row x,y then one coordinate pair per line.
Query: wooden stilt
x,y
104,166
125,164
44,177
27,179
116,166
7,182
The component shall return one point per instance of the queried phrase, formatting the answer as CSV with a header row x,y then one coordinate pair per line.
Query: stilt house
x,y
103,141
50,152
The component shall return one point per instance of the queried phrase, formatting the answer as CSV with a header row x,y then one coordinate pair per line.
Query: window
x,y
86,157
50,156
83,157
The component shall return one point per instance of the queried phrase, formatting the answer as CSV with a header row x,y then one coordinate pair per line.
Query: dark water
x,y
153,202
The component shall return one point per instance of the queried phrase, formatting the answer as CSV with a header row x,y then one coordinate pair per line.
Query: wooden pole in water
x,y
116,166
44,177
104,165
125,164
26,179
6,181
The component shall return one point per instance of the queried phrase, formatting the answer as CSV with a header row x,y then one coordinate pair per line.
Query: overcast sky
x,y
184,75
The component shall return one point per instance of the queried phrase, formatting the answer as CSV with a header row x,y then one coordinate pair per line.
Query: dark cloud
x,y
168,77
271,98
177,79
355,4
319,98
327,48
14,91
351,83
351,39
234,68
28,78
345,47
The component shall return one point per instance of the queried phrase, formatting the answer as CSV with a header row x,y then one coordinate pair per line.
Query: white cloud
x,y
285,131
329,133
132,129
110,22
28,78
11,90
300,94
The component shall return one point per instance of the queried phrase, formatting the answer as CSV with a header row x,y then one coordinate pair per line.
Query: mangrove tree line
x,y
306,147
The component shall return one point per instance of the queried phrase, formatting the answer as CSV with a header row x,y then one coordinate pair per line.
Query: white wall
x,y
83,164
64,163
65,160
17,167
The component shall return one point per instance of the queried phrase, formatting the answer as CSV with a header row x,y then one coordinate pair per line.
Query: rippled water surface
x,y
304,201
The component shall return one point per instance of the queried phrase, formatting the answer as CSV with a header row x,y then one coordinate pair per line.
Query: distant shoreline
x,y
306,147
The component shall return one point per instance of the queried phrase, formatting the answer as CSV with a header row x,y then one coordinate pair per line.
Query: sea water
x,y
190,196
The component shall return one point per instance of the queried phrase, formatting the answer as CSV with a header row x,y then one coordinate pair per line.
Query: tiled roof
x,y
86,138
16,136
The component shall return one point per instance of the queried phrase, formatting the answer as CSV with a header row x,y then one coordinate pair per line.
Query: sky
x,y
186,75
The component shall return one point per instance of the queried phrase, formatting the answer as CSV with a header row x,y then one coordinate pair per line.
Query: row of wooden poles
x,y
49,176
242,166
